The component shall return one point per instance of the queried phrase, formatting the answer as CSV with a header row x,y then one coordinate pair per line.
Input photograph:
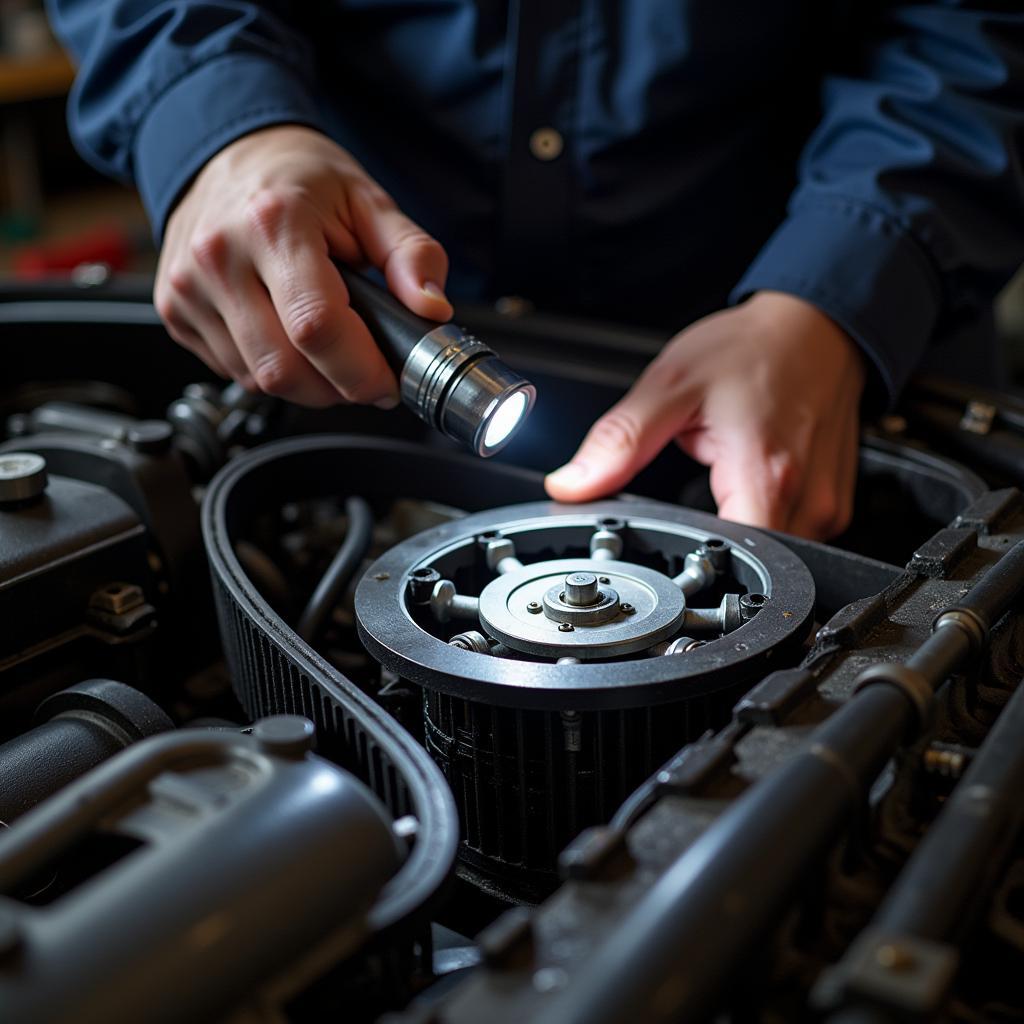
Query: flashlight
x,y
450,379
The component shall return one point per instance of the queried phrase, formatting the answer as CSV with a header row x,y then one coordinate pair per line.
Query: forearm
x,y
163,87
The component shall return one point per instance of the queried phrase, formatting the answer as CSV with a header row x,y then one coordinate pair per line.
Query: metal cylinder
x,y
581,589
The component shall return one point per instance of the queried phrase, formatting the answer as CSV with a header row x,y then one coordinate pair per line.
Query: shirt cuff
x,y
866,273
230,96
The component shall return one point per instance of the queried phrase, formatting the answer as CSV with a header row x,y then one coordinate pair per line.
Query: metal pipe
x,y
681,942
684,938
969,841
949,877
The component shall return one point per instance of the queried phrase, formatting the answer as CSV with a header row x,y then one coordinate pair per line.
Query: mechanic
x,y
821,191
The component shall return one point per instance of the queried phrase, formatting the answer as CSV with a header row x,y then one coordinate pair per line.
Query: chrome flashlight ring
x,y
456,383
431,366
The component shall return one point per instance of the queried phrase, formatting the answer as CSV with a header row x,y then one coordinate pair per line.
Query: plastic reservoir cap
x,y
284,735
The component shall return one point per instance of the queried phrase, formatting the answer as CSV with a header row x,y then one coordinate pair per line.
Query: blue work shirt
x,y
646,161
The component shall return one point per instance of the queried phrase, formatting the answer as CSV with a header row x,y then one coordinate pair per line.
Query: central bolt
x,y
581,589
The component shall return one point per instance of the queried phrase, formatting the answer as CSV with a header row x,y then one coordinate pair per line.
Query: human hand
x,y
767,394
245,279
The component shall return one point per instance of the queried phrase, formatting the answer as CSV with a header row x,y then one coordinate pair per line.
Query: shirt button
x,y
546,144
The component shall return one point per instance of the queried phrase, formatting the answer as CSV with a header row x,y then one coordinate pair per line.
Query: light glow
x,y
505,419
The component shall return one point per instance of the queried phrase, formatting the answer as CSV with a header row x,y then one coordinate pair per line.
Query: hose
x,y
341,570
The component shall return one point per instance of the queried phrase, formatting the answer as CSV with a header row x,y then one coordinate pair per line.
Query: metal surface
x,y
723,894
395,633
602,629
546,728
58,551
944,886
455,382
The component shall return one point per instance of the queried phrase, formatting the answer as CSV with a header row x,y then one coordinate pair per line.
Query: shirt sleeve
x,y
909,213
162,87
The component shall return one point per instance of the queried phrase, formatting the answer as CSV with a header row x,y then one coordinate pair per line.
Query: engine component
x,y
151,465
137,460
275,671
749,847
343,567
75,550
954,950
584,670
22,478
945,885
78,728
247,853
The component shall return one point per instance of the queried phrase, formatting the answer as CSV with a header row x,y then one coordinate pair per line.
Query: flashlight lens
x,y
505,419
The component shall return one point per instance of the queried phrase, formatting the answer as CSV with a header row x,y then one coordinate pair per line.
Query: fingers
x,y
311,303
623,441
825,505
273,363
195,325
414,264
246,280
804,486
752,483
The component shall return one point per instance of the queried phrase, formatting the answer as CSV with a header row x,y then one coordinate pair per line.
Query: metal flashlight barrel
x,y
451,380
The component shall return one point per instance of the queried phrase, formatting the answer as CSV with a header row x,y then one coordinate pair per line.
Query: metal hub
x,y
612,604
631,610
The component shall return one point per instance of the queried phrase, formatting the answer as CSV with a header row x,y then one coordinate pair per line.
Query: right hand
x,y
246,282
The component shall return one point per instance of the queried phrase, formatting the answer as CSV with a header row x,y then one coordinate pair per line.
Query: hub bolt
x,y
581,589
565,627
626,608
534,608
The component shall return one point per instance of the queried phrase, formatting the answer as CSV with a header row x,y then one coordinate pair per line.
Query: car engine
x,y
306,715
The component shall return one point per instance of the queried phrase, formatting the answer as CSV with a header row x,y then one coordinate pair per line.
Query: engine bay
x,y
307,715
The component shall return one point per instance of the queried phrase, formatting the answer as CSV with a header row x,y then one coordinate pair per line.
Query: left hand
x,y
767,394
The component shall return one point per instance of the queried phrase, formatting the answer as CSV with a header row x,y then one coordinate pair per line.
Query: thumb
x,y
621,443
415,265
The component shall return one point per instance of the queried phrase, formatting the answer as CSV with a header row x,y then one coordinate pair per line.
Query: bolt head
x,y
565,627
626,608
534,607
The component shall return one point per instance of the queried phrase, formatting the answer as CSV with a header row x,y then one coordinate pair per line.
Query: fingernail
x,y
387,403
434,291
572,474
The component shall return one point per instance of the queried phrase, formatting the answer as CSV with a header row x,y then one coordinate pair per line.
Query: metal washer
x,y
658,606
